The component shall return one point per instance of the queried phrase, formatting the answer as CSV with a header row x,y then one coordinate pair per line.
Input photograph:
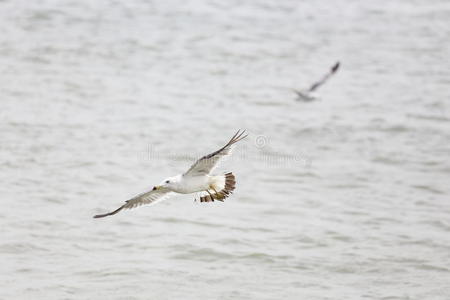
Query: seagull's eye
x,y
167,181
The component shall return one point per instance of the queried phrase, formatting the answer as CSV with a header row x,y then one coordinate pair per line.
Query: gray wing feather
x,y
152,196
206,164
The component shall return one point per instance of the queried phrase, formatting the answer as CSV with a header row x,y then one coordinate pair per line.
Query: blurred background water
x,y
343,198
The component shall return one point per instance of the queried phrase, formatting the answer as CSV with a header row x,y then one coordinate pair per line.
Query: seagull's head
x,y
168,183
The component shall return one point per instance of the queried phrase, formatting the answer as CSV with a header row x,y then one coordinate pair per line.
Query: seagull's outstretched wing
x,y
152,197
324,78
206,164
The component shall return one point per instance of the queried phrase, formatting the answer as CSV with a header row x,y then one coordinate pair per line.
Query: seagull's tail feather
x,y
110,213
230,183
223,187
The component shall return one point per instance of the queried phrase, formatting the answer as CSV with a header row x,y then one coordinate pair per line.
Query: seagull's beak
x,y
156,187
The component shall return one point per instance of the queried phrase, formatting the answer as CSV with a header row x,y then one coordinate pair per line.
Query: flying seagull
x,y
197,179
308,94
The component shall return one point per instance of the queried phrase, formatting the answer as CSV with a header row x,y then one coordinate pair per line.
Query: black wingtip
x,y
100,216
240,135
335,67
109,214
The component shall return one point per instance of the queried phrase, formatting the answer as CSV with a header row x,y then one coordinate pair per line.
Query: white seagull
x,y
197,179
308,94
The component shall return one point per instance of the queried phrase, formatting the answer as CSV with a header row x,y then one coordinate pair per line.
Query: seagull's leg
x,y
217,193
212,197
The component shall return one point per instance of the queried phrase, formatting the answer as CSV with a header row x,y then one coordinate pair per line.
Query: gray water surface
x,y
342,198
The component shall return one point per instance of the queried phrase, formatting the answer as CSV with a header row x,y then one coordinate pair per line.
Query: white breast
x,y
192,184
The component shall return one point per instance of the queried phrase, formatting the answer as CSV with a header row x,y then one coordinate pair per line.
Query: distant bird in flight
x,y
197,179
308,94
